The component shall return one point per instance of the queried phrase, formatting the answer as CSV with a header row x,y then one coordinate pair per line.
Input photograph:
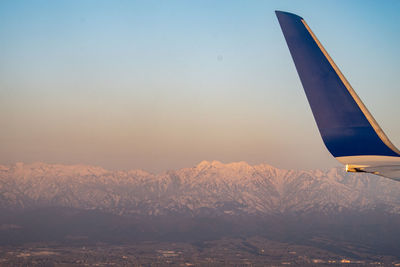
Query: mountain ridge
x,y
236,188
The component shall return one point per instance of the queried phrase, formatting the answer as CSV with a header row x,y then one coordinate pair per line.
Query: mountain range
x,y
210,188
350,215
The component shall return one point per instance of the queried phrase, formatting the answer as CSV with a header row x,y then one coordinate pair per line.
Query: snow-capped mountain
x,y
208,188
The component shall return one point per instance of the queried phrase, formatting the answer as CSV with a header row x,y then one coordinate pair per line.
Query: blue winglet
x,y
346,126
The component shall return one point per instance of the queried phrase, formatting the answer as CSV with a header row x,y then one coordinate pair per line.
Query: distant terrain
x,y
257,212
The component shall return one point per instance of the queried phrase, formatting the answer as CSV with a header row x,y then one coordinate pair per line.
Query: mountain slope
x,y
208,188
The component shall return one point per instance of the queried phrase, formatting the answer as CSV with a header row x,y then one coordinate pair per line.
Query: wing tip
x,y
281,14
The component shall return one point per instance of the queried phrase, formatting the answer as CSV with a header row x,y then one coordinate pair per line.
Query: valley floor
x,y
255,251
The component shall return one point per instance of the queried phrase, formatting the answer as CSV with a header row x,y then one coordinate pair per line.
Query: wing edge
x,y
378,130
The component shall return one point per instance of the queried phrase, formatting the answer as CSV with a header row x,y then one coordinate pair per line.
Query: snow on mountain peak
x,y
217,164
241,165
27,169
212,185
4,168
203,164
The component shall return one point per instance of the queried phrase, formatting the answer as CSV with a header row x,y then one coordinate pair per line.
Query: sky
x,y
160,85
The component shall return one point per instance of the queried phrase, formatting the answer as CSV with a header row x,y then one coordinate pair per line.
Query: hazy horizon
x,y
164,85
216,163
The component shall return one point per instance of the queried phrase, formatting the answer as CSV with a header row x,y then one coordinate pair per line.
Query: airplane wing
x,y
348,130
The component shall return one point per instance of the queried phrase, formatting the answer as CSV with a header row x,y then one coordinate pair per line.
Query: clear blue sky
x,y
165,84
